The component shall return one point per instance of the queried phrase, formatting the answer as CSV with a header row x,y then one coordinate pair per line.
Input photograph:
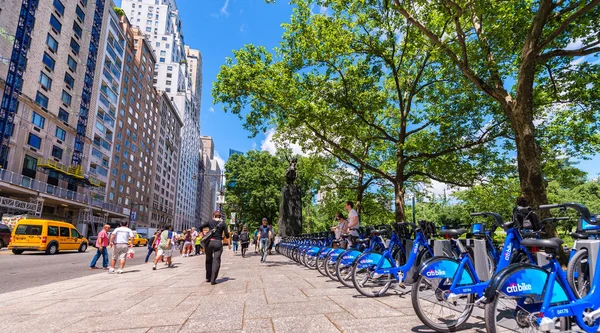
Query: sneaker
x,y
94,267
154,267
111,270
120,271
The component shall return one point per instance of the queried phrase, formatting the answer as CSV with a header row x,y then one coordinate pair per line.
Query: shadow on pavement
x,y
479,327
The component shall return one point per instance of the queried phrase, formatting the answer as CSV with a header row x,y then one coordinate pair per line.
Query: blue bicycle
x,y
373,273
444,291
528,298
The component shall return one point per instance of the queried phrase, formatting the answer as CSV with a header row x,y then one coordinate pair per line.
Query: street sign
x,y
133,214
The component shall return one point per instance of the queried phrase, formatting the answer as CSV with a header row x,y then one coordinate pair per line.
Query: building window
x,y
77,29
66,98
84,3
52,43
80,14
72,64
69,80
60,133
162,59
63,115
148,29
41,99
74,46
45,81
60,8
48,61
38,120
34,141
55,23
57,152
29,166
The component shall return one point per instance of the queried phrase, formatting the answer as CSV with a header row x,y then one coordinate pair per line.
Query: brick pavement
x,y
279,296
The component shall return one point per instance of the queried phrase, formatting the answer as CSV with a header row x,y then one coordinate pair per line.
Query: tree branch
x,y
459,30
584,10
418,129
436,178
588,49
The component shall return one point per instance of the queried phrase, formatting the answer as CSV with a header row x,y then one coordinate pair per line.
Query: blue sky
x,y
216,28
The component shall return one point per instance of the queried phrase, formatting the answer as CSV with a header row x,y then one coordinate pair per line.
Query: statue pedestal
x,y
290,211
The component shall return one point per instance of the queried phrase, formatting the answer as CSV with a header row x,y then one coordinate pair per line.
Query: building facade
x,y
55,49
212,178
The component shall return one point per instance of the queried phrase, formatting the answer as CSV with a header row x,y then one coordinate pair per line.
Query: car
x,y
139,240
4,235
46,235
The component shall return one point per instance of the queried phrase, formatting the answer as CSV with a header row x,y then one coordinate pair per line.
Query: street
x,y
32,269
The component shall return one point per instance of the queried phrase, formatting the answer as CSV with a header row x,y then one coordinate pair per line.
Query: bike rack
x,y
592,246
443,246
408,277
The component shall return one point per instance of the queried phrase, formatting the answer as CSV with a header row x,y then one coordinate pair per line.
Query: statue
x,y
290,207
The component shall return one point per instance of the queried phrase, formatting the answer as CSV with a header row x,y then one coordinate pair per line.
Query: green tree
x,y
361,76
531,43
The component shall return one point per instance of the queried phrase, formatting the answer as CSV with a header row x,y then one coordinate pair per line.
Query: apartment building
x,y
212,179
48,84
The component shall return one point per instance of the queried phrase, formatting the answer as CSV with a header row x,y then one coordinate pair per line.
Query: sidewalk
x,y
279,296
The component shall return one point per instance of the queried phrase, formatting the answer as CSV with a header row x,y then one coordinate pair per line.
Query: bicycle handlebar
x,y
581,209
497,217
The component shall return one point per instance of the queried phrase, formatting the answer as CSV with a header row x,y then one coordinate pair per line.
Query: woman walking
x,y
152,245
187,243
215,247
236,241
244,240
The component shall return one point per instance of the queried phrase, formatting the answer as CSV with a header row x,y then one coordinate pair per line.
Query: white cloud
x,y
268,144
220,160
323,10
224,8
211,109
577,61
242,27
439,188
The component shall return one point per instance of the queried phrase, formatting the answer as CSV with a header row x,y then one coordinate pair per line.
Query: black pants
x,y
244,249
197,249
213,259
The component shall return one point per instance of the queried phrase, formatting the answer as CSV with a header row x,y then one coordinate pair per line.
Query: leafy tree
x,y
532,43
361,77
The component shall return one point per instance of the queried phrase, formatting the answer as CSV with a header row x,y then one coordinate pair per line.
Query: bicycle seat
x,y
378,232
452,232
580,235
362,241
552,243
508,225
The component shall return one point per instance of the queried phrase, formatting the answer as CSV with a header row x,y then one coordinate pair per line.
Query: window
x,y
63,115
55,23
60,133
157,44
163,53
60,8
69,80
48,61
34,141
84,2
75,233
52,230
80,14
52,43
41,99
72,64
38,120
74,46
162,59
64,232
77,29
57,152
148,29
66,98
45,81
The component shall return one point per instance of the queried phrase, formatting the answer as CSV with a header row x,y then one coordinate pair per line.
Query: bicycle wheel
x,y
367,283
578,273
344,273
434,310
504,315
330,268
311,261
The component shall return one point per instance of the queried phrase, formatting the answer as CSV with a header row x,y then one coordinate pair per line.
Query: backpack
x,y
244,237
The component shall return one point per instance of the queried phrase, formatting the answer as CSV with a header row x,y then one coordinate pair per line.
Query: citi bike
x,y
527,298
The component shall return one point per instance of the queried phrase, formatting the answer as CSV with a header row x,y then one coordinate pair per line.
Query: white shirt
x,y
353,214
122,235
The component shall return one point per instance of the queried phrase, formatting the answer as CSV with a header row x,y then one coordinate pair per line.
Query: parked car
x,y
46,235
4,235
139,240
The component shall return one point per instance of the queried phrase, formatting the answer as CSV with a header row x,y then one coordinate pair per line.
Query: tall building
x,y
51,86
159,20
212,178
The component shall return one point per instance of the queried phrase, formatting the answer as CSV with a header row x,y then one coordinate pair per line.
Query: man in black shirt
x,y
265,232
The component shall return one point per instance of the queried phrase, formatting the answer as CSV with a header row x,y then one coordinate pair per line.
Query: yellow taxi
x,y
46,235
139,240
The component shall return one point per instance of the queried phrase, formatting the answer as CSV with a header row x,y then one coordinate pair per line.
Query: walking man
x,y
151,246
264,233
165,248
196,244
119,241
101,248
245,240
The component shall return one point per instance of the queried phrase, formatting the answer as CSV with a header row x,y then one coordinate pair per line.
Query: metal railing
x,y
36,185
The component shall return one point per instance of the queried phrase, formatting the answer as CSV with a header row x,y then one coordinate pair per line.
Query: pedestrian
x,y
101,248
165,248
180,241
197,244
353,222
120,240
215,247
187,243
151,246
236,241
271,239
244,240
340,228
265,233
194,237
255,241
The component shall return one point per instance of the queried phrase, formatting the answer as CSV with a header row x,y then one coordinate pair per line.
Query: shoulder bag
x,y
207,236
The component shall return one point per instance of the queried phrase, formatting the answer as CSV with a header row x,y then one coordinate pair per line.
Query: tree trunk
x,y
399,193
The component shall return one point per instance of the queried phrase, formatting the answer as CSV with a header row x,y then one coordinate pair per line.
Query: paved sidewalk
x,y
279,296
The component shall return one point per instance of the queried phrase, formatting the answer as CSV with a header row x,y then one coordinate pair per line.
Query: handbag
x,y
207,236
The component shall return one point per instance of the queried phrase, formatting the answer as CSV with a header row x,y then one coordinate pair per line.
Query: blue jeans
x,y
264,247
150,250
235,246
104,254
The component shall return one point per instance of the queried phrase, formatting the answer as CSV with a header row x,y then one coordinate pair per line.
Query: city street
x,y
32,269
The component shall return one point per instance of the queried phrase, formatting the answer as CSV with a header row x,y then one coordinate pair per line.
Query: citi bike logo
x,y
435,272
508,252
515,287
366,261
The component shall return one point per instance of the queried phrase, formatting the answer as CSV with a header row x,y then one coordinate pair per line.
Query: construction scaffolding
x,y
13,206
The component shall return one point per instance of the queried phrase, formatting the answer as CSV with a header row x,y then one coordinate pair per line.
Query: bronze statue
x,y
291,174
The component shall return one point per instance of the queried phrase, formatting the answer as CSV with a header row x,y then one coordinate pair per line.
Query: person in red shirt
x,y
101,246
